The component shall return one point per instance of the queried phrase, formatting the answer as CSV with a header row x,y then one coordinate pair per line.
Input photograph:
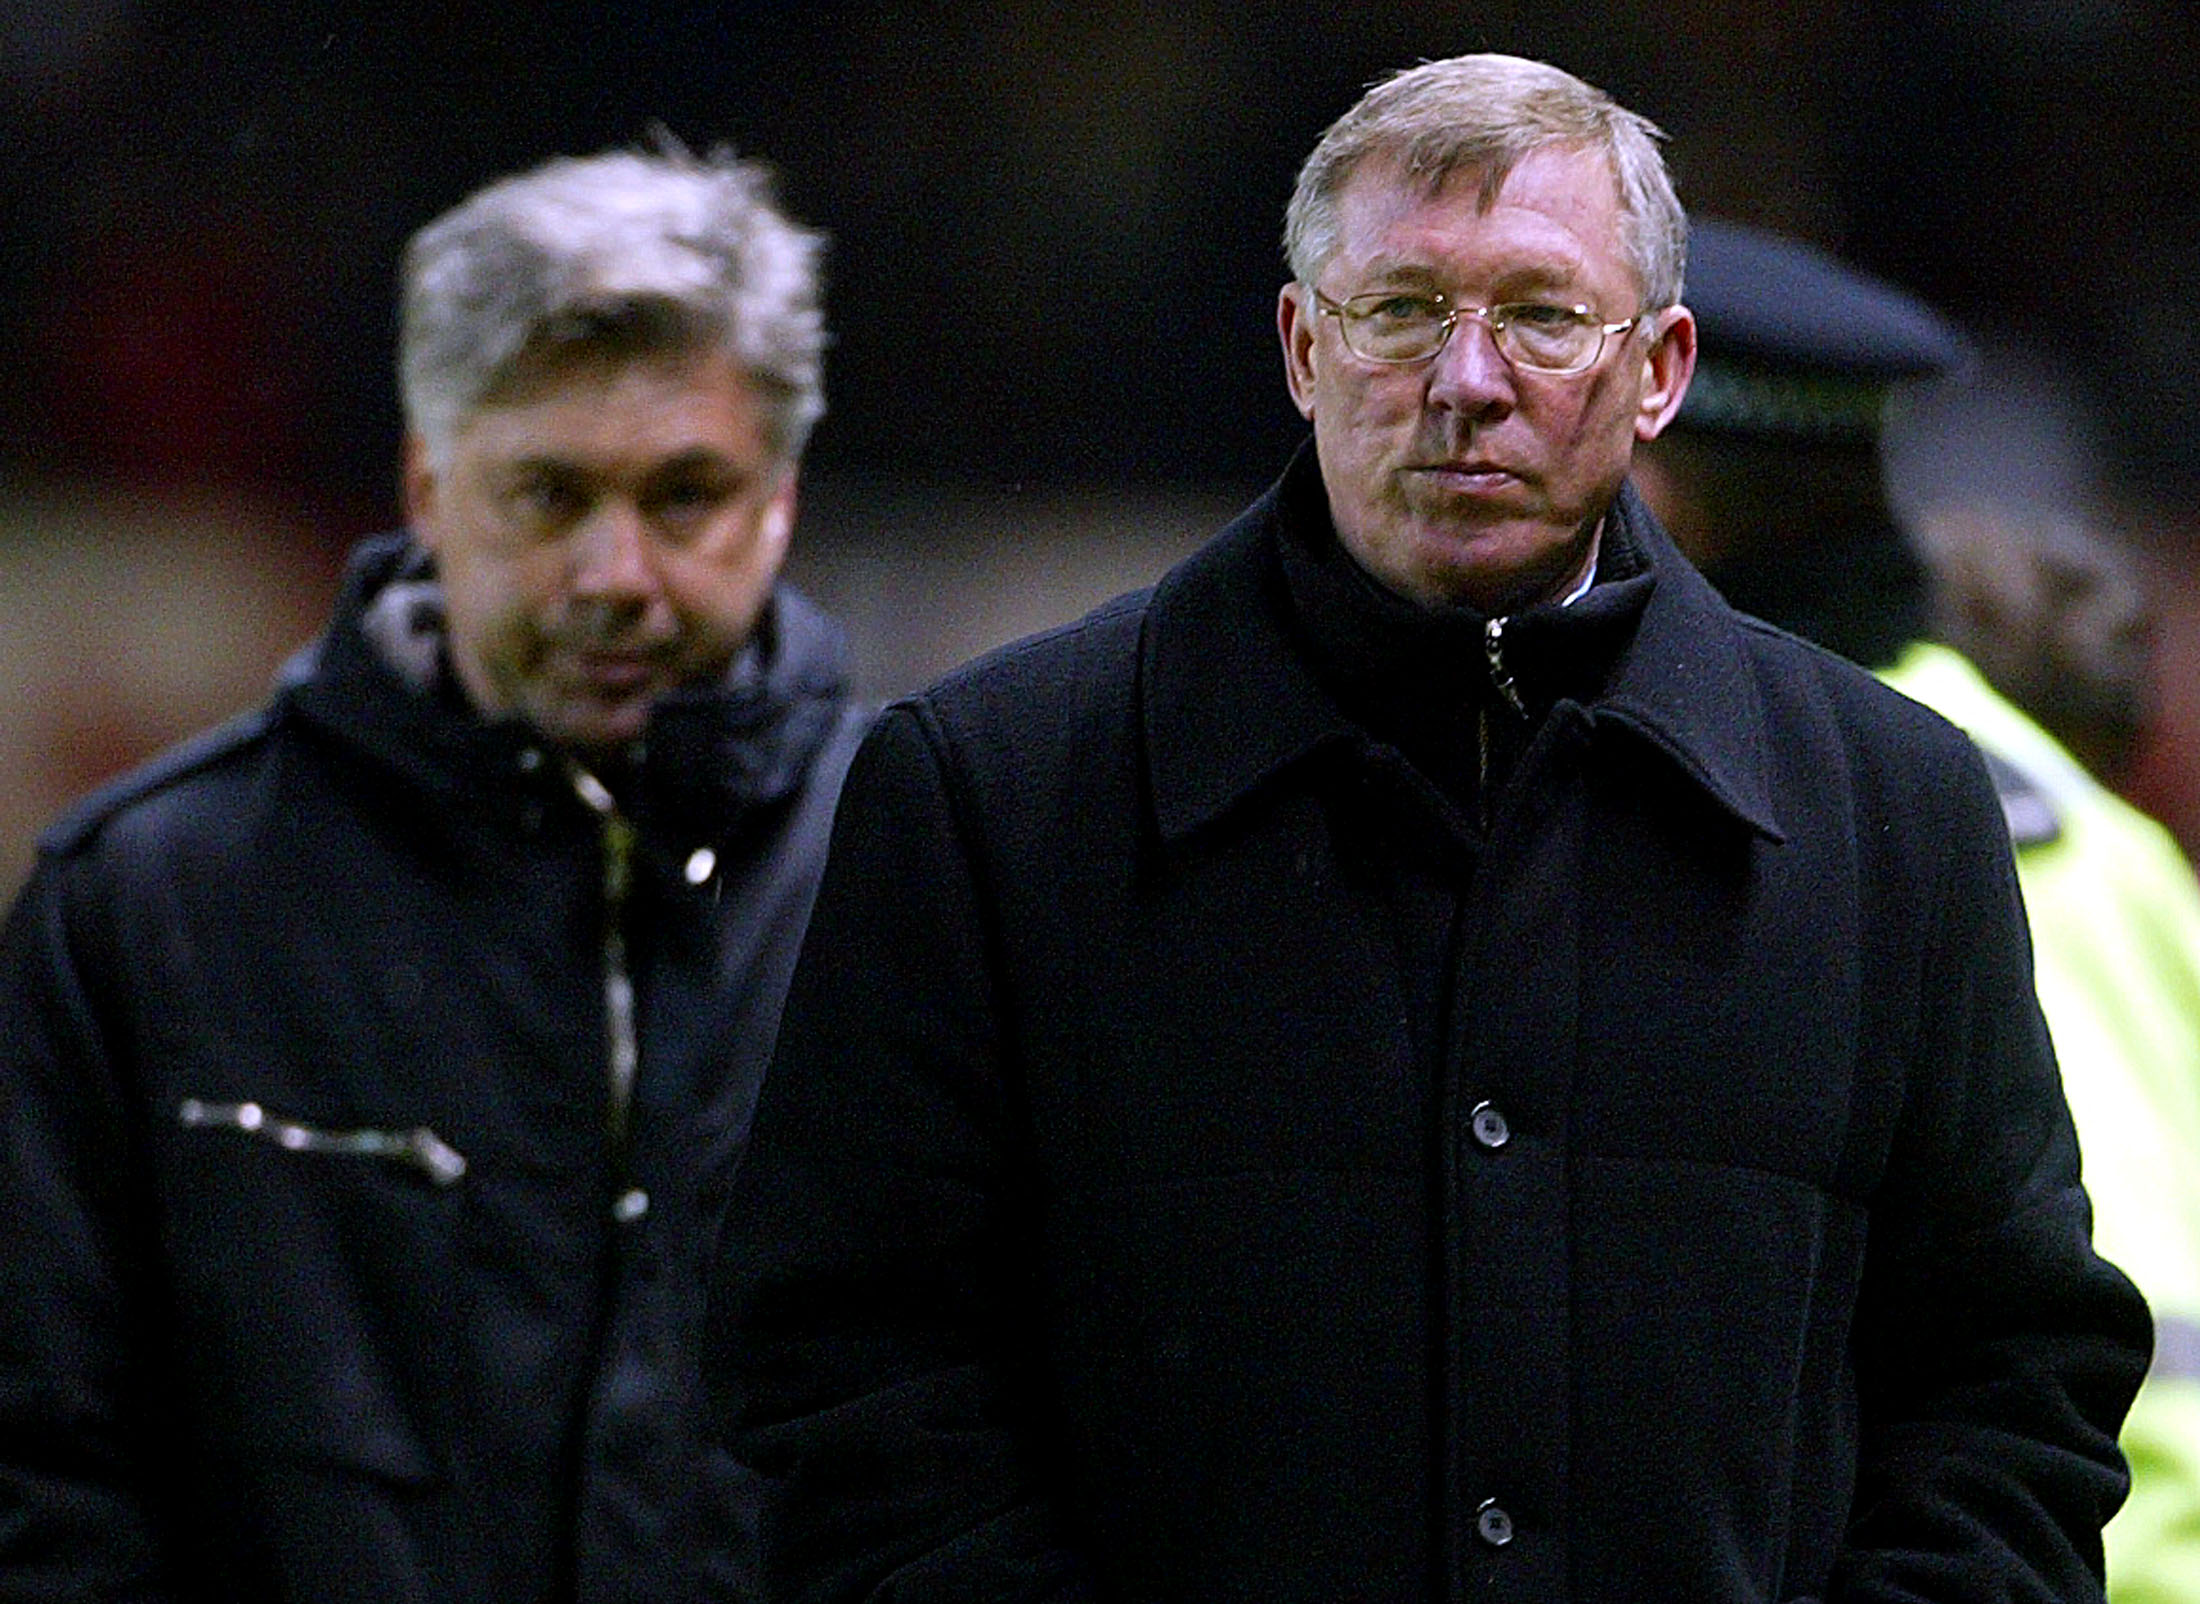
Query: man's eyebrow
x,y
699,457
1541,281
1400,270
1507,283
1540,276
543,462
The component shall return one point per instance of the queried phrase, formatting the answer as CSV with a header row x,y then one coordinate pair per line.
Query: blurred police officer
x,y
1770,479
370,1064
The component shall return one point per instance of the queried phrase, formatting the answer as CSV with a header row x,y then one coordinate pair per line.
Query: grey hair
x,y
1483,113
624,255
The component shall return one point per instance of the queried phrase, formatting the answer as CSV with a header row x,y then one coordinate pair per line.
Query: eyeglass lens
x,y
1531,334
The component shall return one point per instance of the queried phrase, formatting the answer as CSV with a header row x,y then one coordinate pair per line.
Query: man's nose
x,y
1470,375
611,552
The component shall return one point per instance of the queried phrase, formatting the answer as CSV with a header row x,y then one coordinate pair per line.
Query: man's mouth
x,y
617,671
1468,474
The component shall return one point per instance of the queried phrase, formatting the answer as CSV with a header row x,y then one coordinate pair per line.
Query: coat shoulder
x,y
1868,712
158,787
1035,743
1908,785
1020,698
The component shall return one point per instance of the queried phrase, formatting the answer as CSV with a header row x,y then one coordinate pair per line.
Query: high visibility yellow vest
x,y
2115,916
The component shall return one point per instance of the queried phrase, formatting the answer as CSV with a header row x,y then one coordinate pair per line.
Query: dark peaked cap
x,y
1795,344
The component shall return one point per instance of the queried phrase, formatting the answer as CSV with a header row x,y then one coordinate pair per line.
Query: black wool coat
x,y
1107,1233
327,1271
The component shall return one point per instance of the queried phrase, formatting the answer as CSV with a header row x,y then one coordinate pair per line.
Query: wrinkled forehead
x,y
1562,201
614,414
545,370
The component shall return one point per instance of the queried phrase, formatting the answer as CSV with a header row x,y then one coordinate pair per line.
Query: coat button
x,y
1489,1126
1492,1524
702,863
631,1206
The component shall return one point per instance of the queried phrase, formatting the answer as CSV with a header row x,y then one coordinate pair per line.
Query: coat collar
x,y
1230,702
1687,684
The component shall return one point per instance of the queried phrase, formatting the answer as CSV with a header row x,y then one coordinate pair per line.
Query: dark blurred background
x,y
1053,273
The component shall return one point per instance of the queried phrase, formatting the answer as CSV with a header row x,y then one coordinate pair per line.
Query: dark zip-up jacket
x,y
332,1264
1203,1163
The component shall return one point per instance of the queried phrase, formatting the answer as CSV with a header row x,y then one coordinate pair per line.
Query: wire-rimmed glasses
x,y
1413,325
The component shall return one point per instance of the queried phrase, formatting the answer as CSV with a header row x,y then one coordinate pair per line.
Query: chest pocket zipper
x,y
420,1148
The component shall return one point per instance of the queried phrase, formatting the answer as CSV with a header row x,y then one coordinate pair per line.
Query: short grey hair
x,y
1483,113
625,255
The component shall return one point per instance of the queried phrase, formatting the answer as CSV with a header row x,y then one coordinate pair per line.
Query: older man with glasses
x,y
1424,1057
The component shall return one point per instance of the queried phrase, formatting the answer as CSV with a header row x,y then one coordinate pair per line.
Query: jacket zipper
x,y
1493,652
618,983
1493,649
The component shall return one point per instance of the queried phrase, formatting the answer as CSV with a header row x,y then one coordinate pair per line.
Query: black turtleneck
x,y
1421,679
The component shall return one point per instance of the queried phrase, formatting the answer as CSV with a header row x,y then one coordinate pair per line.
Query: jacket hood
x,y
377,680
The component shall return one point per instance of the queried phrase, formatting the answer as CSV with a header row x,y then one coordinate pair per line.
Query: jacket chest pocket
x,y
414,1147
317,1266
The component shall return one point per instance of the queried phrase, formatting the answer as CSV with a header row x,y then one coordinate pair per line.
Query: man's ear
x,y
776,527
1295,323
420,491
1668,364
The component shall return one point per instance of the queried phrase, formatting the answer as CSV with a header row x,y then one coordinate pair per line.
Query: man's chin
x,y
592,729
1495,568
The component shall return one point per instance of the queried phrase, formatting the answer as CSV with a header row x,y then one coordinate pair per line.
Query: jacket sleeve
x,y
2154,1543
77,1400
1995,1352
872,1318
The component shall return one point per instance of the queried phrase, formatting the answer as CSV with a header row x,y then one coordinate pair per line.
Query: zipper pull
x,y
622,1039
1493,649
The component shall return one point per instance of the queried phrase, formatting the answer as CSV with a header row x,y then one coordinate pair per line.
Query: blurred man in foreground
x,y
1424,1058
372,1064
1770,478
